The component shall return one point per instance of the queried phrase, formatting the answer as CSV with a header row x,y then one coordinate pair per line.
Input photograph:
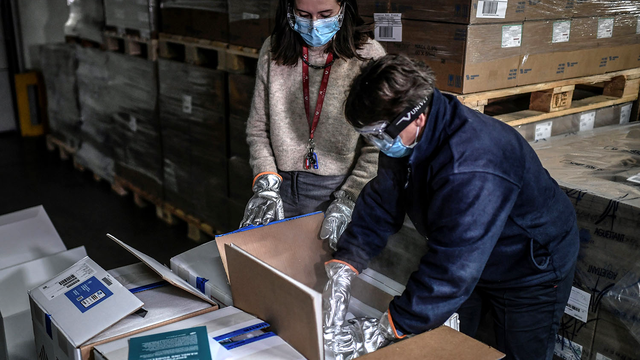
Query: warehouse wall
x,y
41,21
7,120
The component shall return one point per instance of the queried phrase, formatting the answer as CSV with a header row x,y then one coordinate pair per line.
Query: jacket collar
x,y
433,134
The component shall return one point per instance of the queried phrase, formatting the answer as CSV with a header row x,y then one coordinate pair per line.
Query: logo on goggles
x,y
412,112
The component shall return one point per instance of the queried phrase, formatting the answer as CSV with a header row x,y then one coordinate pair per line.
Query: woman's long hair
x,y
286,43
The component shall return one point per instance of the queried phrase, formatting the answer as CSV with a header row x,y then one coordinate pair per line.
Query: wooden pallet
x,y
54,143
207,53
121,31
83,42
131,45
554,99
196,227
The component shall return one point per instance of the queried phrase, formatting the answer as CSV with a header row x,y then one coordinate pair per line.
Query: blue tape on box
x,y
242,331
200,283
149,287
237,344
88,294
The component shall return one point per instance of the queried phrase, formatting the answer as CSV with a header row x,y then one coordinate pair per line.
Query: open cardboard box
x,y
277,274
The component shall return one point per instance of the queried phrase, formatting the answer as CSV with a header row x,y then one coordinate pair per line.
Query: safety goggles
x,y
381,134
322,26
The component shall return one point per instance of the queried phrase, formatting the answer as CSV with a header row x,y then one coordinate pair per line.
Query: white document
x,y
578,304
511,36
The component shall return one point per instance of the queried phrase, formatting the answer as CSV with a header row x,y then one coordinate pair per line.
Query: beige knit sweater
x,y
278,131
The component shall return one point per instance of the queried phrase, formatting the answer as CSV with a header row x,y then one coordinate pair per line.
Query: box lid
x,y
27,235
84,300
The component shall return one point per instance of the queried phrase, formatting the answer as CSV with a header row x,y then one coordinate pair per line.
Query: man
x,y
500,230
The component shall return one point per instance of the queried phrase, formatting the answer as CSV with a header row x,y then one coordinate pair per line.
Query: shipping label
x,y
543,130
605,28
186,104
388,27
511,36
250,16
67,280
561,31
578,304
88,294
625,114
492,9
587,121
567,349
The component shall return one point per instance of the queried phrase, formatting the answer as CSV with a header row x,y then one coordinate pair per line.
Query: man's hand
x,y
336,218
362,336
336,296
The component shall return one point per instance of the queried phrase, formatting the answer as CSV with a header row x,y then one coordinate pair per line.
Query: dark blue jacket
x,y
493,215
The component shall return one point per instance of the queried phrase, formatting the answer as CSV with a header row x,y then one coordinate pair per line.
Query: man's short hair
x,y
385,88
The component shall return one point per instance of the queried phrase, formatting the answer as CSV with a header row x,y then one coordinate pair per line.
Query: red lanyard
x,y
311,159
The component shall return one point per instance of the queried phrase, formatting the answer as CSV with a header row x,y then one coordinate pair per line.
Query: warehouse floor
x,y
81,209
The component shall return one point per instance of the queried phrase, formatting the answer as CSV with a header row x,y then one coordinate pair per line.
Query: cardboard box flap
x,y
84,300
27,235
442,343
293,309
161,270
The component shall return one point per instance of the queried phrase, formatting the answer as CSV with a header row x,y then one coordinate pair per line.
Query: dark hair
x,y
386,87
286,43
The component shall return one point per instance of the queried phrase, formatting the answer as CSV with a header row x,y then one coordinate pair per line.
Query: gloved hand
x,y
336,296
363,336
336,218
266,204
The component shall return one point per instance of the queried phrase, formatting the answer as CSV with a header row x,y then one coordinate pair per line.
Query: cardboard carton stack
x,y
251,22
477,45
201,19
597,169
133,17
193,108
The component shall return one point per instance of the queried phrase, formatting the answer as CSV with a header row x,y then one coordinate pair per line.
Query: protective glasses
x,y
322,26
381,134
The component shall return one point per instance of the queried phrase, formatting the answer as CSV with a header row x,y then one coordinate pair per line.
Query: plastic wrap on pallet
x,y
250,10
137,142
210,5
86,19
623,301
140,15
96,131
555,9
193,107
59,65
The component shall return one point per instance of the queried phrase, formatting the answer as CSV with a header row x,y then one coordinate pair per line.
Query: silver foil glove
x,y
336,296
336,218
362,336
266,204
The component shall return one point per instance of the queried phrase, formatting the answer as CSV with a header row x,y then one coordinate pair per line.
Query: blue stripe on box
x,y
47,322
245,330
251,227
149,287
237,344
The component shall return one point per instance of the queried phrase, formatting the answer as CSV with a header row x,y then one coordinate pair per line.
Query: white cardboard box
x,y
27,235
219,322
16,330
64,332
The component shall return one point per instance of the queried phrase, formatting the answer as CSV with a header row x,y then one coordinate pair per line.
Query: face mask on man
x,y
399,149
316,32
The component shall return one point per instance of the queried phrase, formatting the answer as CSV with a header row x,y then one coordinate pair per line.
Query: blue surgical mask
x,y
398,149
319,32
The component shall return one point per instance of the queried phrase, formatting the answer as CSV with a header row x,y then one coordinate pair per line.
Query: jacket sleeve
x,y
465,220
258,137
378,214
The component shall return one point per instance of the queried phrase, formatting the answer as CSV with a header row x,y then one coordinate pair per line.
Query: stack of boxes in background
x,y
476,45
201,19
139,17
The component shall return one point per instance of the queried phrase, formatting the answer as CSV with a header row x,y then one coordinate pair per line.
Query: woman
x,y
302,148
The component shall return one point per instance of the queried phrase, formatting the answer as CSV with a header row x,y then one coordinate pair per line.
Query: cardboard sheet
x,y
442,343
165,273
293,309
27,235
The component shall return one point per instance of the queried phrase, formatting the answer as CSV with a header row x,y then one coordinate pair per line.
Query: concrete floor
x,y
81,209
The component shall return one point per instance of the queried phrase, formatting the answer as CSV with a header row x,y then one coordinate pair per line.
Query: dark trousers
x,y
525,320
304,192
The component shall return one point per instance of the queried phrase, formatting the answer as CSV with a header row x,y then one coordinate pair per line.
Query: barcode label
x,y
67,280
495,9
93,298
605,28
388,27
543,130
587,121
578,304
107,281
511,36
